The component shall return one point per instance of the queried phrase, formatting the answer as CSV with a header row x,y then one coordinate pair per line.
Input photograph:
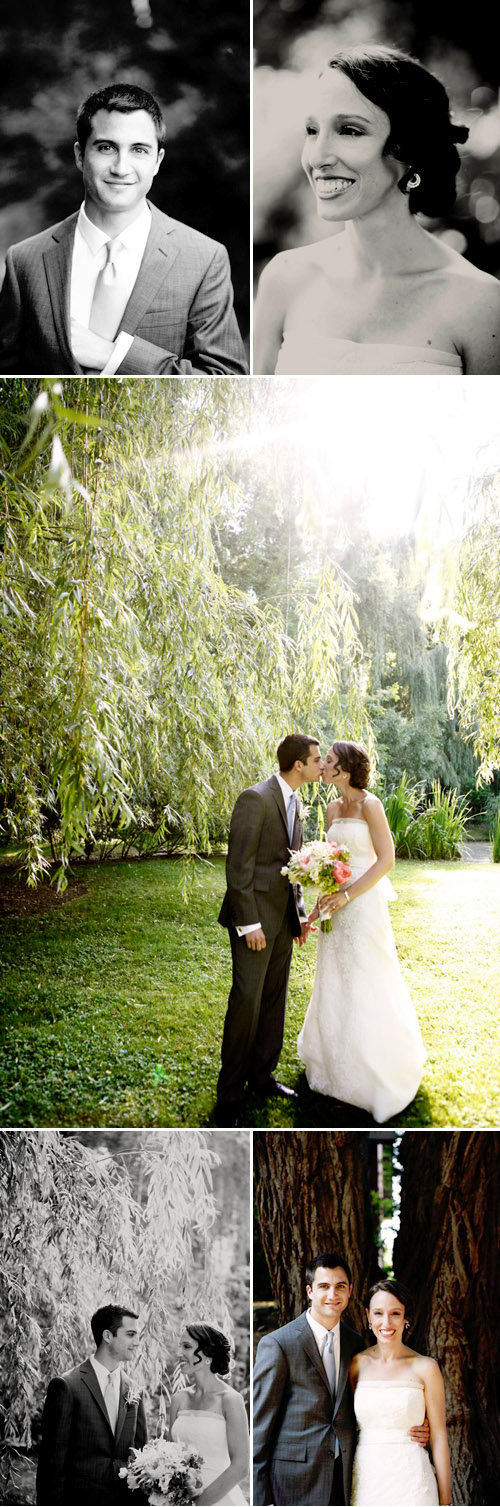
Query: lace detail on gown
x,y
389,1469
361,1041
207,1432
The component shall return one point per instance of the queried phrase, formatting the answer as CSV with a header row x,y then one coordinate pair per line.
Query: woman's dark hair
x,y
422,136
354,759
212,1343
388,1284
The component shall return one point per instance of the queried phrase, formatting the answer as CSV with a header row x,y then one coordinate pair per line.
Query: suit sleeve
x,y
270,1375
244,837
57,1418
213,344
11,320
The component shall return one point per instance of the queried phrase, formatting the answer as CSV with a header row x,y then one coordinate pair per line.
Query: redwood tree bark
x,y
447,1254
312,1194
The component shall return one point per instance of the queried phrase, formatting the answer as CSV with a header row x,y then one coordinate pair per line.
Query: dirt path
x,y
476,852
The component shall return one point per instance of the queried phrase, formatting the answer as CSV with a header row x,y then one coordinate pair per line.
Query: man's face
x,y
329,1294
120,160
311,770
123,1344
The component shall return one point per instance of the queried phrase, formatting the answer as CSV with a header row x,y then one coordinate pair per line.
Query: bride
x,y
384,296
211,1416
361,1041
395,1388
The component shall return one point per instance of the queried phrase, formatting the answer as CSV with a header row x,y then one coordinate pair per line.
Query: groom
x,y
304,1429
263,913
91,1419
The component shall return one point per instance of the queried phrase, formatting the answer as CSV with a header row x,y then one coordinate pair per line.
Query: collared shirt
x,y
320,1334
103,1374
89,258
287,793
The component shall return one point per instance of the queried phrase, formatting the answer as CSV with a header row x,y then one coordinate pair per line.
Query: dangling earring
x,y
413,181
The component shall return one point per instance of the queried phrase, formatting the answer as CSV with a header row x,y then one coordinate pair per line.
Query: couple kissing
x,y
360,1042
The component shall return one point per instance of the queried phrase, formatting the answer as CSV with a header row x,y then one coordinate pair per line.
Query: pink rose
x,y
342,872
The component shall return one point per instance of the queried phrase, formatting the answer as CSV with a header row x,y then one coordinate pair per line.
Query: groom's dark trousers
x,y
297,1423
79,1456
257,892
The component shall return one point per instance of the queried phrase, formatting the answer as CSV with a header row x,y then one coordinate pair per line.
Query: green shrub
x,y
441,827
495,838
400,806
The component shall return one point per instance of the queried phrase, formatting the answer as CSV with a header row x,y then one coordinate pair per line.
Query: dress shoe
x,y
228,1114
273,1089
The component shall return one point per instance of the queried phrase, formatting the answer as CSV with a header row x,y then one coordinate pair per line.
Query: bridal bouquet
x,y
322,864
167,1470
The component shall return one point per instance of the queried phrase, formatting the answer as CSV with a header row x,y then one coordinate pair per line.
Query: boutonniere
x,y
132,1396
302,811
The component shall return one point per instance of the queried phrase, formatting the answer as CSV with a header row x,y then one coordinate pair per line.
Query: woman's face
x,y
343,150
188,1358
387,1317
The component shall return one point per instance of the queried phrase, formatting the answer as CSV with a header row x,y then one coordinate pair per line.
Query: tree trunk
x,y
447,1254
313,1195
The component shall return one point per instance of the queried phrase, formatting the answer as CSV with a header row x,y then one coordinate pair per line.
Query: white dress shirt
x,y
288,795
89,256
103,1375
320,1334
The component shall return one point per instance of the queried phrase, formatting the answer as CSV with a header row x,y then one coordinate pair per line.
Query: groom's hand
x,y
421,1433
255,940
304,933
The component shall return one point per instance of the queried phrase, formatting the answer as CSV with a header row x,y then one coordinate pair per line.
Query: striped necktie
x,y
292,812
109,297
328,1358
110,1400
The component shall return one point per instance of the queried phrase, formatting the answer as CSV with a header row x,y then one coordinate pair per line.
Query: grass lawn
x,y
114,1001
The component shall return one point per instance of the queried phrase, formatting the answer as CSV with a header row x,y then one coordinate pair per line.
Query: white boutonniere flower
x,y
302,811
133,1396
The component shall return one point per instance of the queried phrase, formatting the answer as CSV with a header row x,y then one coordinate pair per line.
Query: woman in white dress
x,y
384,296
361,1041
211,1416
395,1388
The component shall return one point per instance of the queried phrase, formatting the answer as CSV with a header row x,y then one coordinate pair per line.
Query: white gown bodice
x,y
307,352
206,1431
391,1469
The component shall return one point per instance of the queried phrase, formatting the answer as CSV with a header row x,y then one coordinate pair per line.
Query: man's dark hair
x,y
124,97
329,1259
110,1317
294,746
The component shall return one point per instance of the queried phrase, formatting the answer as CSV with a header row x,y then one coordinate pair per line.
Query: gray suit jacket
x,y
295,1424
258,848
180,311
79,1457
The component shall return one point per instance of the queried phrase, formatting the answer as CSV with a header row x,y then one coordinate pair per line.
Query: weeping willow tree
x,y
75,1236
471,625
141,688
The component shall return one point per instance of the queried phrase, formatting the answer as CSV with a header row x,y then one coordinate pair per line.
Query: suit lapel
x,y
345,1360
57,263
89,1377
309,1343
277,794
122,1406
162,248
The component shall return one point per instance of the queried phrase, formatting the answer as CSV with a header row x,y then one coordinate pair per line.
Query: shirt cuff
x,y
243,930
121,345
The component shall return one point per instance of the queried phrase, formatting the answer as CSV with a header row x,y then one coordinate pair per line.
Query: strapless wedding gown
x,y
361,1041
207,1433
389,1469
310,353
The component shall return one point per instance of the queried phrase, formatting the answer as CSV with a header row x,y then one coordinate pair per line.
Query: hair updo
x,y
389,1284
214,1344
422,136
354,759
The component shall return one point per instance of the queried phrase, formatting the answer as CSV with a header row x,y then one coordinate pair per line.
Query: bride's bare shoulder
x,y
289,268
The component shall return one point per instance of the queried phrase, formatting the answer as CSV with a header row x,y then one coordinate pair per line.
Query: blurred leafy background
x,y
195,60
457,43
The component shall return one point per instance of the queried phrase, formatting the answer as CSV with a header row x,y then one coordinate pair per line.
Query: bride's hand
x,y
331,903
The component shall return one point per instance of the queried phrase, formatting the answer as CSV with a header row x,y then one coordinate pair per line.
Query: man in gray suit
x,y
91,1419
304,1429
264,913
119,287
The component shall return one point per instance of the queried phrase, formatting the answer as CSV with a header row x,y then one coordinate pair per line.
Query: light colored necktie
x,y
110,1400
292,812
108,301
328,1358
